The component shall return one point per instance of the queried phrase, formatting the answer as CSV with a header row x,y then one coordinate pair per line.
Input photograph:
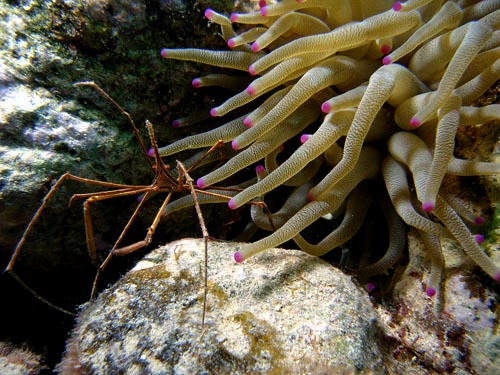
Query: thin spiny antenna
x,y
106,96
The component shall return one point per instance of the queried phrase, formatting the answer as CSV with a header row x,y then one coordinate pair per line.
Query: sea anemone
x,y
380,90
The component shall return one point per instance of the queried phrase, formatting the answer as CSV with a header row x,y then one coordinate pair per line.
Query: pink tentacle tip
x,y
164,53
264,11
415,122
428,206
386,60
209,13
497,276
232,204
238,257
151,152
370,287
234,17
201,183
259,170
251,91
397,6
385,49
177,123
479,220
431,292
247,121
326,107
231,43
251,70
255,47
213,112
196,82
310,196
234,145
304,138
479,238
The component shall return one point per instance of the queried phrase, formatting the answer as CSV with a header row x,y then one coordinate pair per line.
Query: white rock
x,y
280,312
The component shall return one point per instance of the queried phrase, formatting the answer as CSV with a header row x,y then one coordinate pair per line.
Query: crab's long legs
x,y
164,182
204,231
45,202
36,216
89,231
135,246
37,296
217,145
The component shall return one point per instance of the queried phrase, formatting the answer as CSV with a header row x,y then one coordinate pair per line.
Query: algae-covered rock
x,y
18,361
452,332
282,312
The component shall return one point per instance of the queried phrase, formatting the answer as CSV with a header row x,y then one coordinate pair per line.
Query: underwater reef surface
x,y
46,46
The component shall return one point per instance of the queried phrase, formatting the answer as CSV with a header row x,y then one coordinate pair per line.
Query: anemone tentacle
x,y
225,133
313,55
479,10
333,71
332,128
475,37
432,58
259,149
343,38
389,83
448,17
433,245
395,248
356,208
399,191
295,201
463,235
221,80
224,59
459,206
297,23
364,169
443,152
460,167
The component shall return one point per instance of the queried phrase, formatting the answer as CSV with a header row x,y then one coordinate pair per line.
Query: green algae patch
x,y
153,273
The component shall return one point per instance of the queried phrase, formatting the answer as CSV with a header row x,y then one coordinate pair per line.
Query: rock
x,y
42,138
454,331
281,312
17,361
